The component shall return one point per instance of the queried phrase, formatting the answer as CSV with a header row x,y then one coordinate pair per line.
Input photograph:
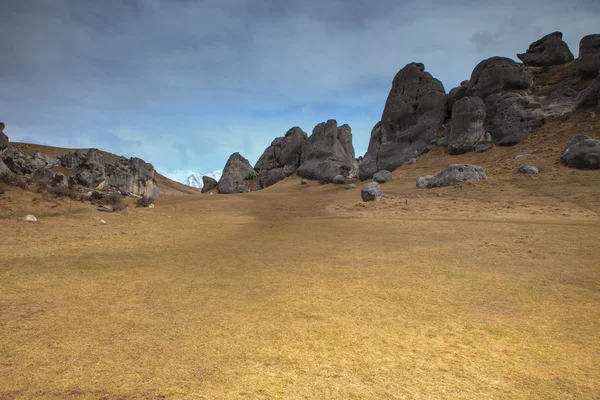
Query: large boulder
x,y
208,183
339,180
414,112
498,74
91,171
467,125
3,140
456,94
452,175
282,158
236,175
133,176
72,160
588,63
547,51
515,117
44,175
371,191
4,170
582,152
328,152
382,176
589,98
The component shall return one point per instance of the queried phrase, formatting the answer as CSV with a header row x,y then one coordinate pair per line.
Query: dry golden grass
x,y
491,291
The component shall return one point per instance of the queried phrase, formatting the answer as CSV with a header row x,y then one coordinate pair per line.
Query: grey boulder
x,y
515,117
371,191
282,158
208,183
237,174
498,74
528,169
547,51
328,152
467,125
456,94
133,175
43,175
339,179
582,152
588,63
22,163
484,146
91,172
452,175
382,176
414,112
304,182
3,141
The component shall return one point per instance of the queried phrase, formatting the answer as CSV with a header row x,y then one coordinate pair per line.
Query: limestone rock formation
x,y
582,152
382,176
496,75
414,112
90,171
547,51
133,176
282,158
22,163
452,175
456,94
4,169
589,98
328,152
515,117
237,175
588,63
208,183
371,191
3,138
467,125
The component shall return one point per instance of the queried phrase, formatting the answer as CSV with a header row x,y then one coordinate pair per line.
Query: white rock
x,y
30,218
151,205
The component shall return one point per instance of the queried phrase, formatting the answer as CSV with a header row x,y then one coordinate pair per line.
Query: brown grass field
x,y
491,291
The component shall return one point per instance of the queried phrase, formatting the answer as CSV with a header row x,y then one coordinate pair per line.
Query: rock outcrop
x,y
588,63
131,176
515,117
467,125
456,94
452,175
238,175
328,152
22,163
208,183
414,112
282,158
496,75
547,51
582,152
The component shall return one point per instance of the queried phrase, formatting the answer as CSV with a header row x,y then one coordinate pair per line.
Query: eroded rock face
x,y
22,163
588,63
91,172
515,117
467,125
4,170
589,98
452,175
456,94
3,141
547,51
328,152
498,74
236,175
414,112
208,183
582,152
134,176
282,158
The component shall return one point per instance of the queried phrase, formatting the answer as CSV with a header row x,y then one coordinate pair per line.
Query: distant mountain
x,y
191,178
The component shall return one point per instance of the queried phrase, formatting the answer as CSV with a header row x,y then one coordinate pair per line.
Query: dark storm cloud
x,y
184,83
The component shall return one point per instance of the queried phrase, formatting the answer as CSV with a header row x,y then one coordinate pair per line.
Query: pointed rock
x,y
237,175
549,50
414,112
208,183
282,158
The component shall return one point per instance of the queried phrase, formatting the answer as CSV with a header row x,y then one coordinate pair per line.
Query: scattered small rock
x,y
151,205
412,161
371,191
105,209
30,218
339,179
382,176
350,186
482,147
304,182
582,152
528,169
102,222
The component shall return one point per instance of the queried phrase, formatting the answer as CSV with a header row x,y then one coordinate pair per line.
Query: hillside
x,y
304,291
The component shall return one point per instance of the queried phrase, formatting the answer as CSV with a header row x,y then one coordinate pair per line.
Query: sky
x,y
185,83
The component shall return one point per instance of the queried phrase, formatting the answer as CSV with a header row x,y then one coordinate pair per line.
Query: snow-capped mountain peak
x,y
191,178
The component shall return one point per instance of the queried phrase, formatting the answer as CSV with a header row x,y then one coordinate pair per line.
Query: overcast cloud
x,y
184,83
